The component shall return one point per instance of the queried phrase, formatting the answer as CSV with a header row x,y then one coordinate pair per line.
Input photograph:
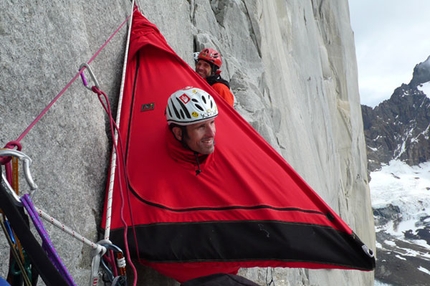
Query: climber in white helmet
x,y
190,114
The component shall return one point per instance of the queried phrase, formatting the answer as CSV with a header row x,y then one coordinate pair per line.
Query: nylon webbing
x,y
15,258
47,244
37,255
46,241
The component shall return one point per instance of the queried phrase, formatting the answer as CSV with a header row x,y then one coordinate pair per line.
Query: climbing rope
x,y
18,259
16,143
35,212
46,241
115,137
18,256
114,159
5,158
37,257
97,257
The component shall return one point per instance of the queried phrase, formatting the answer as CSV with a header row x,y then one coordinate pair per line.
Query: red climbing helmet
x,y
211,56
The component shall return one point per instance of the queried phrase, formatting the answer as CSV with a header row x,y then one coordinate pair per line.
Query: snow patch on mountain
x,y
425,88
407,187
401,205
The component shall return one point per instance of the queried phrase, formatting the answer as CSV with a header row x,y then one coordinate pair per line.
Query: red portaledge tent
x,y
247,207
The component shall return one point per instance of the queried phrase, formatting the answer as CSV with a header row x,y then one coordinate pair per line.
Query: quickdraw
x,y
84,67
115,275
19,264
22,267
6,190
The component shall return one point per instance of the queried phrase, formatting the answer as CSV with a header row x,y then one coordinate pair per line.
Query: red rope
x,y
121,169
106,106
10,145
45,110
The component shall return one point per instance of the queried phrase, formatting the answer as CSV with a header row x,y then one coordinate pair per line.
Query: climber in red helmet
x,y
208,64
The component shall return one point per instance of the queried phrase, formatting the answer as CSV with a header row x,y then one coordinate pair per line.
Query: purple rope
x,y
46,241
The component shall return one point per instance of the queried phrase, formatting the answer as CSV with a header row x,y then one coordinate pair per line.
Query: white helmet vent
x,y
190,105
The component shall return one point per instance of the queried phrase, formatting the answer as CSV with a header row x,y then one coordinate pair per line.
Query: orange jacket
x,y
224,92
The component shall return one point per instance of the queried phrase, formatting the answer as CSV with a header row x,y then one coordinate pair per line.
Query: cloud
x,y
421,73
391,37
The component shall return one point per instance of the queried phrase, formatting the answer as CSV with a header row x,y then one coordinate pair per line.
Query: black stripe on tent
x,y
248,241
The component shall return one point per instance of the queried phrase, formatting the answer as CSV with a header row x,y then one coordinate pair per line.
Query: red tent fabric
x,y
247,207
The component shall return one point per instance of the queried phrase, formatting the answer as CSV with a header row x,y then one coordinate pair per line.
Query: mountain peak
x,y
421,73
398,128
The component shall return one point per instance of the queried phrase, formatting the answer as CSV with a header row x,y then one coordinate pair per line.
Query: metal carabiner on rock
x,y
26,166
84,79
10,190
120,264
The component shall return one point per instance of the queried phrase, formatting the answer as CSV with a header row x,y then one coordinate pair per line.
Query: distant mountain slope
x,y
398,128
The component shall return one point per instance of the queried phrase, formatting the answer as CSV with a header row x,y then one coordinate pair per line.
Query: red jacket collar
x,y
186,157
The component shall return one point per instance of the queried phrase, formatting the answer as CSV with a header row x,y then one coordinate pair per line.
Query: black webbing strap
x,y
35,252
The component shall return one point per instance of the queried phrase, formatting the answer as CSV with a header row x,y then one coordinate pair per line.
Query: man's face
x,y
200,137
203,68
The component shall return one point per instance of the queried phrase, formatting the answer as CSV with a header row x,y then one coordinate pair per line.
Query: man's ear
x,y
177,132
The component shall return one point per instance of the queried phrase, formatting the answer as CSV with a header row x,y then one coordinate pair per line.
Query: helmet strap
x,y
184,135
214,69
198,171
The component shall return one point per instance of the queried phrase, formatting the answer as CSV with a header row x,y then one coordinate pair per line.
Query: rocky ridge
x,y
398,128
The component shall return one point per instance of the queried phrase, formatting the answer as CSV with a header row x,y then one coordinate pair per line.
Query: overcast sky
x,y
391,37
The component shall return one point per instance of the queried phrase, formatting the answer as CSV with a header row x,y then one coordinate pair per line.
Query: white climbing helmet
x,y
190,105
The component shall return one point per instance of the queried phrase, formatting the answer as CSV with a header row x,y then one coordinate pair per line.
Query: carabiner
x,y
10,145
120,263
17,267
9,231
84,79
10,191
26,166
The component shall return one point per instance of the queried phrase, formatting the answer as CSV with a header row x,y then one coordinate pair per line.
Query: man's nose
x,y
210,131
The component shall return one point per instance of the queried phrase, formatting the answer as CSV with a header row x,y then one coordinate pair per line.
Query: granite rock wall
x,y
292,68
